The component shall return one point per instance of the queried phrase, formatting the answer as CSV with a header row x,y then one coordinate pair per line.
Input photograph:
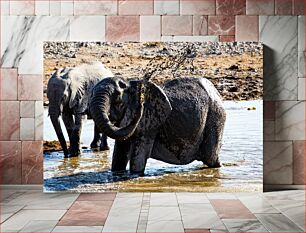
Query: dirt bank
x,y
236,69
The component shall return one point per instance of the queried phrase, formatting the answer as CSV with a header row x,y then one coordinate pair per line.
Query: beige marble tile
x,y
290,120
150,28
269,130
75,229
135,7
165,226
163,199
27,109
23,217
81,28
239,225
278,163
5,7
42,7
27,130
301,88
185,198
39,226
278,223
166,7
169,213
9,210
67,7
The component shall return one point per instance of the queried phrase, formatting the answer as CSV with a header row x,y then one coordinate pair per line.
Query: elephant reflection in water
x,y
179,122
68,92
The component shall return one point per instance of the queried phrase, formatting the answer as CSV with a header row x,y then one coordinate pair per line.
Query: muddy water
x,y
241,156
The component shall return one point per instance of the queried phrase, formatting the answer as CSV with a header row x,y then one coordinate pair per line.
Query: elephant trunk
x,y
99,108
57,127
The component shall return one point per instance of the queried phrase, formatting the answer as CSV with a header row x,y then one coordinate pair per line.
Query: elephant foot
x,y
74,152
104,147
141,173
216,164
94,145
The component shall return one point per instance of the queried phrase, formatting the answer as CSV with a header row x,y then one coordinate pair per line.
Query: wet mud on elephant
x,y
178,123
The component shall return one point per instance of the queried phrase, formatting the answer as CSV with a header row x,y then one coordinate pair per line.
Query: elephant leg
x,y
75,137
120,158
96,140
140,152
69,122
103,145
212,140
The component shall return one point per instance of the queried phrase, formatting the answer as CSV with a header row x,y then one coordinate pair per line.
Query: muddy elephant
x,y
68,92
179,122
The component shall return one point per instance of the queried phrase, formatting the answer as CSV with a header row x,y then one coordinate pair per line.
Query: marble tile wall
x,y
25,24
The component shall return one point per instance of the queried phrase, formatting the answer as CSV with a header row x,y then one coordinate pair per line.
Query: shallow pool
x,y
241,155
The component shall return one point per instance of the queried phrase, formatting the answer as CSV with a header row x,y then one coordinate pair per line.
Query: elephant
x,y
68,91
178,122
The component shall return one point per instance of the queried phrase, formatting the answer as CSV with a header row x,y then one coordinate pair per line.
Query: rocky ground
x,y
236,69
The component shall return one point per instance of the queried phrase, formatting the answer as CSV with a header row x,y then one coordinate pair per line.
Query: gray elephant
x,y
179,122
68,92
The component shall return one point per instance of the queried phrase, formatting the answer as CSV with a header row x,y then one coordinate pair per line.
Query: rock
x,y
233,67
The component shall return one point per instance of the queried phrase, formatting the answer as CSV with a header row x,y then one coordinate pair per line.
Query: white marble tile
x,y
66,8
200,198
301,89
158,213
27,129
150,28
294,210
278,223
39,120
5,7
200,221
198,216
9,210
258,205
279,36
39,200
278,163
164,7
301,46
163,199
20,219
190,38
55,8
27,108
42,7
87,28
291,195
39,226
22,39
129,195
124,214
75,229
165,226
242,225
290,120
269,130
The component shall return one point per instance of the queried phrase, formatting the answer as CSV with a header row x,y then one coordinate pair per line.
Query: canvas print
x,y
153,116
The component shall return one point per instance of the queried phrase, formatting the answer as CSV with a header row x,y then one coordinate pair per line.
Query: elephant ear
x,y
76,88
157,108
